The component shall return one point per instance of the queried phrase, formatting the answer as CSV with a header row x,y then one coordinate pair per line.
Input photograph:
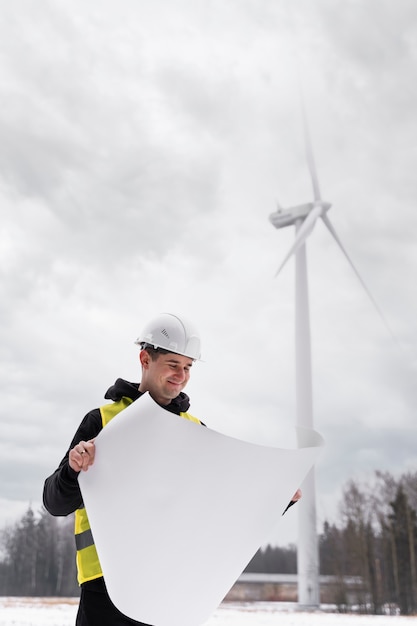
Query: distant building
x,y
251,587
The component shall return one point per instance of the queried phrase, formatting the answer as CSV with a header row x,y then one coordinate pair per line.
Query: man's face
x,y
164,377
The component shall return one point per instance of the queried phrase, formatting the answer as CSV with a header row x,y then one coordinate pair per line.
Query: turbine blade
x,y
307,137
302,233
309,150
370,296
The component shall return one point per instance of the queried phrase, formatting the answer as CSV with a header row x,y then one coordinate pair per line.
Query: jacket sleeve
x,y
61,492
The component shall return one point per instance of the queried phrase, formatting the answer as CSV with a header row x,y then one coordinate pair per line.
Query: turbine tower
x,y
304,217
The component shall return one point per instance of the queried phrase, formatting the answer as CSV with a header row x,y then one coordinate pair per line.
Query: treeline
x,y
38,557
274,560
374,540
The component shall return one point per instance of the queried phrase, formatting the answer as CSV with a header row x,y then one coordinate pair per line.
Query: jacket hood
x,y
123,388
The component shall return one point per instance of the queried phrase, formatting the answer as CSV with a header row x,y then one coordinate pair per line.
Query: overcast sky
x,y
142,147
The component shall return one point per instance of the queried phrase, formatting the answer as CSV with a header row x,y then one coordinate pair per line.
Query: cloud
x,y
142,148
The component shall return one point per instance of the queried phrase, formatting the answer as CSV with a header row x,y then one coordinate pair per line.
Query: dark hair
x,y
153,351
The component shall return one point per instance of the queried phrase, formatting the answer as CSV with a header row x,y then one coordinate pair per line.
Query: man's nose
x,y
181,375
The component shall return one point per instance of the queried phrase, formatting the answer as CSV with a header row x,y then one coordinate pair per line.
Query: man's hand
x,y
296,496
294,499
82,455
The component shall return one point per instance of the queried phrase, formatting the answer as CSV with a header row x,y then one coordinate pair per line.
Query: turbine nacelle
x,y
287,217
305,217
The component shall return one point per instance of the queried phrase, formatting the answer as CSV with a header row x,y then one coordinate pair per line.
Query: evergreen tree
x,y
403,523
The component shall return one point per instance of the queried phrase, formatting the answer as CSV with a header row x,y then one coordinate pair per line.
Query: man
x,y
169,347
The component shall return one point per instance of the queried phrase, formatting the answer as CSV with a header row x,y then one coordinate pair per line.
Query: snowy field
x,y
61,612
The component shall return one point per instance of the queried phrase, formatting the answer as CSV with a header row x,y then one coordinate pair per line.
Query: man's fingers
x,y
82,456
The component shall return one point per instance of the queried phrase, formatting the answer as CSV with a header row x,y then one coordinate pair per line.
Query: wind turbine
x,y
304,217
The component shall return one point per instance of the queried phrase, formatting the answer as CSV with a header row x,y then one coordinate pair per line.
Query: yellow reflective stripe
x,y
81,521
88,565
188,416
108,411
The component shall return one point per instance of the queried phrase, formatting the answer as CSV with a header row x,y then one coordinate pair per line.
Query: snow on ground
x,y
61,612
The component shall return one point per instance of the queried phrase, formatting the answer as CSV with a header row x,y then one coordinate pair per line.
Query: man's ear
x,y
144,358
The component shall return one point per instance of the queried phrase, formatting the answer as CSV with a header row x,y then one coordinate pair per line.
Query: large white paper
x,y
178,510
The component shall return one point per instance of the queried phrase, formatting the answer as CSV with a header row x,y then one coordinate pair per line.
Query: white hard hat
x,y
171,333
